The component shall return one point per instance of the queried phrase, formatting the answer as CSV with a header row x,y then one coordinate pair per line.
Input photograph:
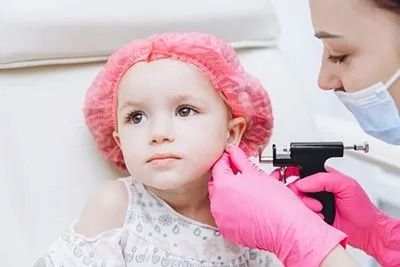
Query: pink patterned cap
x,y
243,93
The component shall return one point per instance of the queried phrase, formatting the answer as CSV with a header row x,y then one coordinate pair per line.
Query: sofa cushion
x,y
59,32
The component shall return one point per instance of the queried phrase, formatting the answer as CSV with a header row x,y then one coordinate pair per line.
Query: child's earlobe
x,y
116,138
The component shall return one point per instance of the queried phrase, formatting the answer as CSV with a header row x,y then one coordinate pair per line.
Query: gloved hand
x,y
311,203
256,210
367,227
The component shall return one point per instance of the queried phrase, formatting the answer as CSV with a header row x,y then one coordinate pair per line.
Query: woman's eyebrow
x,y
322,35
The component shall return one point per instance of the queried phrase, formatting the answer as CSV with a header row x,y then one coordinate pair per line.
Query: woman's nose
x,y
329,78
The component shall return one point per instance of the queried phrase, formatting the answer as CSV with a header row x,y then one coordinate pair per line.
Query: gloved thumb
x,y
221,167
239,159
290,171
210,188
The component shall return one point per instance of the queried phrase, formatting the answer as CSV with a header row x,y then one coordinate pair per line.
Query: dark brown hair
x,y
391,5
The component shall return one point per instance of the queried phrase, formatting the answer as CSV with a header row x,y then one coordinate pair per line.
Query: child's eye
x,y
337,59
134,117
186,110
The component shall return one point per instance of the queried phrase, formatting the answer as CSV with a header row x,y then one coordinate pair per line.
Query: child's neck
x,y
190,200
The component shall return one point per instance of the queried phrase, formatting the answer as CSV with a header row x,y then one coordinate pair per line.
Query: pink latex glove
x,y
256,210
311,203
367,227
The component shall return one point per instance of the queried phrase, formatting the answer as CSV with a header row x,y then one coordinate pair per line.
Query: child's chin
x,y
166,185
169,180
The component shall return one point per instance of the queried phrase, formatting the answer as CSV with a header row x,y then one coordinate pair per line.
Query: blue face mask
x,y
375,110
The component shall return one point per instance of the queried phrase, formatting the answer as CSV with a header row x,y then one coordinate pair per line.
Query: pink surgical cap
x,y
216,59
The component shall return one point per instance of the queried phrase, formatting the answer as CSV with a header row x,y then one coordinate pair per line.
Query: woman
x,y
361,64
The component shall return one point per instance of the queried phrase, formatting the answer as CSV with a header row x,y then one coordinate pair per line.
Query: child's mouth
x,y
161,162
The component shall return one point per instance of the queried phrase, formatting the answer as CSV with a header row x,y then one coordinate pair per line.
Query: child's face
x,y
172,124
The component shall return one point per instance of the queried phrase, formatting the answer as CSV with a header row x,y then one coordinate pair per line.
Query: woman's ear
x,y
236,128
116,138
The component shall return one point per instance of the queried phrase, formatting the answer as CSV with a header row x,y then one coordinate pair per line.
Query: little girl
x,y
164,109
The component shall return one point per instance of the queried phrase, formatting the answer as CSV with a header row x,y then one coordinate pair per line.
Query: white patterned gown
x,y
153,234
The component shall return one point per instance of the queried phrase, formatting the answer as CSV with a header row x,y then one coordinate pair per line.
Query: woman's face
x,y
361,44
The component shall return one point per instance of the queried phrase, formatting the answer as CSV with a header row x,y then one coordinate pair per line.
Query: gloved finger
x,y
295,190
331,170
290,171
210,186
239,159
312,203
221,167
319,182
275,173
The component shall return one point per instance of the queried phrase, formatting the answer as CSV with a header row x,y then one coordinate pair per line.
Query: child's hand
x,y
258,211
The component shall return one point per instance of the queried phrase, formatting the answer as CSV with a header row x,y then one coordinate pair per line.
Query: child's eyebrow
x,y
130,103
178,98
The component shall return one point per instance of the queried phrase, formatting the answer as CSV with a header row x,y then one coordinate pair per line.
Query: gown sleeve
x,y
74,249
260,258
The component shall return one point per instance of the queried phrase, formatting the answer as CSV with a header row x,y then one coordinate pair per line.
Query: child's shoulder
x,y
105,209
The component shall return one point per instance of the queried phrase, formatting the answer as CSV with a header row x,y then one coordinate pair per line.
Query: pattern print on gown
x,y
153,234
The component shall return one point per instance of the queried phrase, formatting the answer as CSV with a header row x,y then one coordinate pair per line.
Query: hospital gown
x,y
153,234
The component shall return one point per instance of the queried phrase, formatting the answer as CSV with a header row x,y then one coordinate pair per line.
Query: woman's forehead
x,y
338,16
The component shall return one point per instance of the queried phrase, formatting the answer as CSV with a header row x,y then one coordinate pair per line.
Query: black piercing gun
x,y
310,158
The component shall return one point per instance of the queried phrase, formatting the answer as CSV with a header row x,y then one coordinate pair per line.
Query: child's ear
x,y
236,128
116,138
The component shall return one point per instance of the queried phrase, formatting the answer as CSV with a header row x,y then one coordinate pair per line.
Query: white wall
x,y
304,51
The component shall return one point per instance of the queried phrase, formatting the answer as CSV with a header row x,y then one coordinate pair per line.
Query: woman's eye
x,y
337,59
134,117
186,111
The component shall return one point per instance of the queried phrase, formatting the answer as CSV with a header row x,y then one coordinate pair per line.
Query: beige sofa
x,y
50,51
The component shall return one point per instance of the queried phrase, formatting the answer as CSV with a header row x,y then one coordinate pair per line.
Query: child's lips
x,y
163,159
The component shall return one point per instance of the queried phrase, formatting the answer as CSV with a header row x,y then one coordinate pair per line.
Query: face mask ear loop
x,y
393,79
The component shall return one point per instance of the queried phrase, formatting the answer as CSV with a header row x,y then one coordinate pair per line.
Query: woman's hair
x,y
391,5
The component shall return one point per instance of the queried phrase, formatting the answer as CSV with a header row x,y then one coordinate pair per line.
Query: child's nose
x,y
162,131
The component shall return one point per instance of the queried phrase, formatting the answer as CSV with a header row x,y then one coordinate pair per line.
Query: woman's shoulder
x,y
105,209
